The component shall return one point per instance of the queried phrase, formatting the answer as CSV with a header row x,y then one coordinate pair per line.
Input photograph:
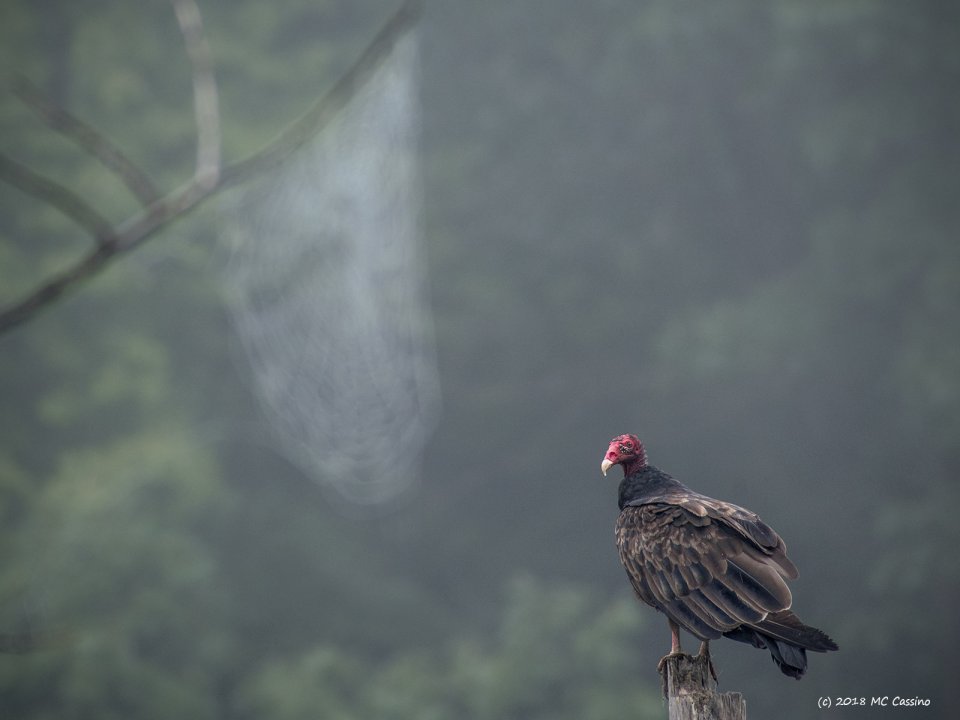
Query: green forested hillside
x,y
729,228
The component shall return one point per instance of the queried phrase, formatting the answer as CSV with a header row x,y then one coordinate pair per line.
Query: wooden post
x,y
691,691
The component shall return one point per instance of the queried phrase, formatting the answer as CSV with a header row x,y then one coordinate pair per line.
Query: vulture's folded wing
x,y
708,565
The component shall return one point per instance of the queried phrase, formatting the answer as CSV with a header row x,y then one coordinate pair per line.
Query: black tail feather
x,y
784,625
786,638
791,659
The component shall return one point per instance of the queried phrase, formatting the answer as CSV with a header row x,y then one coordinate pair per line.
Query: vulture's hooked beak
x,y
605,465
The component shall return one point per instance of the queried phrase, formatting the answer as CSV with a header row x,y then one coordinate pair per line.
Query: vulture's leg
x,y
674,638
705,652
674,645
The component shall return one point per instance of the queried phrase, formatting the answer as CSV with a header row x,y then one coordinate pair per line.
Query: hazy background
x,y
729,227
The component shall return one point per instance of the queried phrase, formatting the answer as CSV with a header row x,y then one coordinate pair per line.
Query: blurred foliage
x,y
729,228
558,653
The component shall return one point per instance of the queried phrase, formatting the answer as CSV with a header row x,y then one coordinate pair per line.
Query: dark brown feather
x,y
718,562
712,567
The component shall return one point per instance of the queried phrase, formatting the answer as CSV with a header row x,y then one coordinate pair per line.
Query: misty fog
x,y
729,228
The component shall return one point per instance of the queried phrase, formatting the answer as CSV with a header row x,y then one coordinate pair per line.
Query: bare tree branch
x,y
56,195
324,110
206,182
205,100
126,237
89,139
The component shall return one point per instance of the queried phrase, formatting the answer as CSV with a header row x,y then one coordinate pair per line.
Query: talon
x,y
662,670
663,660
705,652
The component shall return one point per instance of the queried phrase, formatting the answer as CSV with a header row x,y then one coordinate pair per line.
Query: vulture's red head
x,y
625,450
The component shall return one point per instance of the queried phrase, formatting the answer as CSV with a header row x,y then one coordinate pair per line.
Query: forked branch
x,y
109,155
209,179
56,195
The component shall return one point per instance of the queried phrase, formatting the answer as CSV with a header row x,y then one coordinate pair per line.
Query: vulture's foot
x,y
662,665
705,653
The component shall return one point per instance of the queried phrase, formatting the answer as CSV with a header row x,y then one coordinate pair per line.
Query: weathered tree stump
x,y
691,691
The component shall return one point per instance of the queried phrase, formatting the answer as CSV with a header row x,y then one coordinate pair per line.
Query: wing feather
x,y
690,616
758,583
701,599
708,565
736,608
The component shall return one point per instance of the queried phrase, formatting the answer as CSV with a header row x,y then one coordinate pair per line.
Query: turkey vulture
x,y
713,568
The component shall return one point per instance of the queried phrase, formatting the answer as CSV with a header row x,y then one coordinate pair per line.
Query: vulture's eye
x,y
625,448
